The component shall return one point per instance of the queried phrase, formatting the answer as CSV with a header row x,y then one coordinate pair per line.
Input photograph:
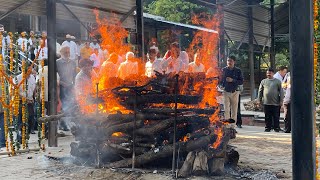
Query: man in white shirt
x,y
178,60
109,68
43,51
94,44
154,64
30,85
24,43
281,73
129,67
196,66
5,44
73,48
95,58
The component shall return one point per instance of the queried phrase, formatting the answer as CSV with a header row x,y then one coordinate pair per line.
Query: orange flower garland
x,y
316,55
24,100
43,104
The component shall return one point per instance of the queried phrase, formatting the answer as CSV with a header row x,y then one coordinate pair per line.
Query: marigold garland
x,y
24,100
316,55
43,104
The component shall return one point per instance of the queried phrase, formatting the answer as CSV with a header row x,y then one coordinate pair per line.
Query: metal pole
x,y
272,50
97,96
134,131
222,44
250,53
52,76
175,124
140,28
302,91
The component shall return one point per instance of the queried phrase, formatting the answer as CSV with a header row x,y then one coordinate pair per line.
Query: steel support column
x,y
272,50
302,89
140,28
52,79
222,43
250,53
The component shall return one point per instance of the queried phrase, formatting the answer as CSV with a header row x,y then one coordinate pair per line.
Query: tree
x,y
174,10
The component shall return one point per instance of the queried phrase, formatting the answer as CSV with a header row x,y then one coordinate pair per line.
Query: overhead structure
x,y
83,9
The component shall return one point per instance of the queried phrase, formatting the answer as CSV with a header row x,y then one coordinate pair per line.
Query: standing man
x,y
67,72
154,64
281,73
231,79
271,96
128,68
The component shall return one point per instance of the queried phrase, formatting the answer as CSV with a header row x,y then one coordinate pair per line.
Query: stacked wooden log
x,y
148,132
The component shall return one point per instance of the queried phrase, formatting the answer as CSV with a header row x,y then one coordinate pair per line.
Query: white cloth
x,y
151,67
45,75
23,43
176,65
58,47
96,60
31,84
278,76
95,46
43,53
287,97
73,49
194,68
127,68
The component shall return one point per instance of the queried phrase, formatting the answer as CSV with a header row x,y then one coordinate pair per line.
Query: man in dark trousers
x,y
230,81
271,96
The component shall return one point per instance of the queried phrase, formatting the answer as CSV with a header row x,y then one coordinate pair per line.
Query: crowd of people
x,y
273,93
78,63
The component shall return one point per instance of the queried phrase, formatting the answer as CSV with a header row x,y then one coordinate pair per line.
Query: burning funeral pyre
x,y
163,116
169,120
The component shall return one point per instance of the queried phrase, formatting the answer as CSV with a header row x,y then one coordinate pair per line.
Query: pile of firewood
x,y
155,129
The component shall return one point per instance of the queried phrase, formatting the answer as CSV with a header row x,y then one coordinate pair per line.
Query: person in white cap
x,y
73,48
129,67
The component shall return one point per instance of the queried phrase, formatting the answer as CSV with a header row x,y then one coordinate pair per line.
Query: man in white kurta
x,y
196,66
178,60
73,48
154,64
129,67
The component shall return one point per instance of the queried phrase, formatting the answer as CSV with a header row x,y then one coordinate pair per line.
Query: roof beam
x,y
128,14
69,10
13,9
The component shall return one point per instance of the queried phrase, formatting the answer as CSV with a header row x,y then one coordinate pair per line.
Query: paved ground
x,y
258,151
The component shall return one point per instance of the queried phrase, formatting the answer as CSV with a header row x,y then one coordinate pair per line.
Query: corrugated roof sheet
x,y
159,19
81,8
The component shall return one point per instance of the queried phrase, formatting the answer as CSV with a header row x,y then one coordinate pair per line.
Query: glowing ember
x,y
117,134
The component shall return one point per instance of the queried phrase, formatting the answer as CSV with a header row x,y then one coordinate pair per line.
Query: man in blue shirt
x,y
230,81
